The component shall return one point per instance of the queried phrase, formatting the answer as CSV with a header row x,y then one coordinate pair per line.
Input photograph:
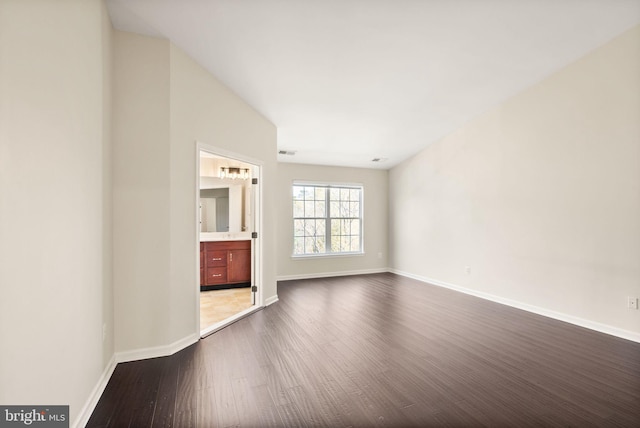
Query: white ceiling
x,y
346,81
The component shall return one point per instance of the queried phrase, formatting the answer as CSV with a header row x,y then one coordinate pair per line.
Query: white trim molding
x,y
156,351
271,300
581,322
94,397
330,274
200,145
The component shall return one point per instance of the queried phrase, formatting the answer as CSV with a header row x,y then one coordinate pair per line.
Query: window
x,y
327,219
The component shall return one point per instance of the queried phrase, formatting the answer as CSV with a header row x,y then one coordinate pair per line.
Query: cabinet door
x,y
239,266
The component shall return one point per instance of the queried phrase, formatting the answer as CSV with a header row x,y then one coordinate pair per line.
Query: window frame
x,y
327,218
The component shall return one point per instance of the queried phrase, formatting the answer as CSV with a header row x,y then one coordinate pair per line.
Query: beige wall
x,y
204,110
55,241
540,197
141,191
164,104
375,221
107,187
120,211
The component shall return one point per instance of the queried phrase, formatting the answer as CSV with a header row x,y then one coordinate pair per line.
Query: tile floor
x,y
217,305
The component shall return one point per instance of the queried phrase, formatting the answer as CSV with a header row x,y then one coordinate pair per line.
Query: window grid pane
x,y
327,219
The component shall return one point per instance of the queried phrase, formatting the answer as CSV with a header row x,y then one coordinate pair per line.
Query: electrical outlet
x,y
632,302
467,270
379,255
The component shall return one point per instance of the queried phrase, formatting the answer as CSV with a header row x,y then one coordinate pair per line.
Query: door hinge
x,y
254,181
254,235
254,288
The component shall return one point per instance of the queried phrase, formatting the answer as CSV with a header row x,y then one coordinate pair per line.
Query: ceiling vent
x,y
286,152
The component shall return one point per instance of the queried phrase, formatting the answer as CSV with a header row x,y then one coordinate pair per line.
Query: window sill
x,y
325,256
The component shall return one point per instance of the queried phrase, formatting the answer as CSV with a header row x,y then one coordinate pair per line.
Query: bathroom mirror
x,y
214,210
225,196
221,206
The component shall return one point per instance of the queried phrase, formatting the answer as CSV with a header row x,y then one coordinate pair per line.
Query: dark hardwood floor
x,y
382,350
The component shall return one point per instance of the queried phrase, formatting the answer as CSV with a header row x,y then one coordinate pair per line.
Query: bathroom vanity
x,y
225,264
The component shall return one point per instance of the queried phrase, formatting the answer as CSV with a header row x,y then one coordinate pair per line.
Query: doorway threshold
x,y
222,324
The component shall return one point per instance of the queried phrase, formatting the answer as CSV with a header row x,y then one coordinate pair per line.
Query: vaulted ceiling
x,y
347,81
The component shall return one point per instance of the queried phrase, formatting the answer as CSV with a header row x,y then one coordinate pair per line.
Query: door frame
x,y
256,244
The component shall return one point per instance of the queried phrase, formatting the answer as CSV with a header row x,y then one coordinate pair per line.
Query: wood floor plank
x,y
185,414
113,397
164,411
382,350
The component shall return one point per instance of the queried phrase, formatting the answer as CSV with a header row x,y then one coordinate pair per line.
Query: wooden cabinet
x,y
201,263
225,263
239,267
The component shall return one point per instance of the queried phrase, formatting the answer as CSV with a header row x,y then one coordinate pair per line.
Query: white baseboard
x,y
592,325
271,300
156,351
94,397
123,357
331,274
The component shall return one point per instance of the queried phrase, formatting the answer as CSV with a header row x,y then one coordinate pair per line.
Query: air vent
x,y
379,159
286,152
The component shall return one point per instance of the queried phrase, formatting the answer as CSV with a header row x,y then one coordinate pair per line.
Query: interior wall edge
x,y
94,397
271,300
581,322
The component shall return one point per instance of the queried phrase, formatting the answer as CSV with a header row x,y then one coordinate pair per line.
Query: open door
x,y
228,239
254,233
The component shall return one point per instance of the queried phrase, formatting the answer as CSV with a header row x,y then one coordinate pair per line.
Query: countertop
x,y
224,236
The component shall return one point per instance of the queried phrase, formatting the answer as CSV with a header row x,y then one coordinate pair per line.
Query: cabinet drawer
x,y
215,258
216,275
227,245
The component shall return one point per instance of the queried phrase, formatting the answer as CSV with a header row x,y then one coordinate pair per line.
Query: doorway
x,y
228,216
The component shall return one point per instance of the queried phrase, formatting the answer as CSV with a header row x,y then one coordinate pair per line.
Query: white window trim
x,y
328,185
327,255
